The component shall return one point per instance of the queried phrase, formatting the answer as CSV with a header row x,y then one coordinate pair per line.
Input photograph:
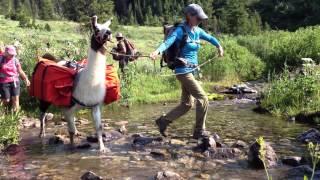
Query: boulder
x,y
167,175
55,140
254,159
292,161
90,176
223,153
312,135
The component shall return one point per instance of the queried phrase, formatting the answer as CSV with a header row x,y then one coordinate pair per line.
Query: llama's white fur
x,y
91,88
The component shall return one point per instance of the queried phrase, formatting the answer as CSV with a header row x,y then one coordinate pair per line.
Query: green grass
x,y
277,48
290,95
9,123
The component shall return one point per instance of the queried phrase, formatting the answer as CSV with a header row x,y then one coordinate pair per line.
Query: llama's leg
x,y
69,115
43,109
96,116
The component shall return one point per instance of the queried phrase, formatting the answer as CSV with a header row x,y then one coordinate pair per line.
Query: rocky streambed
x,y
138,152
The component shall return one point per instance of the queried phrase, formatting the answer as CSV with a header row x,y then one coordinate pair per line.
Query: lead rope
x,y
167,75
192,70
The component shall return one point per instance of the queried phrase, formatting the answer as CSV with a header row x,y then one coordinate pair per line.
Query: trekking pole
x,y
192,70
126,55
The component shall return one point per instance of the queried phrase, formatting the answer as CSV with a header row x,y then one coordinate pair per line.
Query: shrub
x,y
238,62
47,27
287,95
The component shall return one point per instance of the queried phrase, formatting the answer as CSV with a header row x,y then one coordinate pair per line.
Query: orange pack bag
x,y
52,83
112,84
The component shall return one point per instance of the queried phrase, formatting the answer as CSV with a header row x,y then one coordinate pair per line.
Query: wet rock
x,y
92,139
90,176
240,89
312,135
13,149
159,154
292,161
240,144
260,110
204,176
143,141
206,143
82,121
49,116
122,129
106,137
177,142
254,159
111,135
299,172
223,153
167,175
26,122
55,140
84,146
60,123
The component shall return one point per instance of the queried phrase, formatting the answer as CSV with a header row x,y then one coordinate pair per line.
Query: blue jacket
x,y
190,50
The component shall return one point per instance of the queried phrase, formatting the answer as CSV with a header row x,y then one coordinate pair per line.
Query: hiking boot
x,y
200,134
162,125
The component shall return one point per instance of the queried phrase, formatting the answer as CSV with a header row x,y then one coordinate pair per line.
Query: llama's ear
x,y
108,23
94,22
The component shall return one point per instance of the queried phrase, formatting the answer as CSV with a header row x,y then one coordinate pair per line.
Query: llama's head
x,y
101,33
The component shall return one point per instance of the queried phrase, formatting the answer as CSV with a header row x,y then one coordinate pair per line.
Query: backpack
x,y
131,50
2,61
170,56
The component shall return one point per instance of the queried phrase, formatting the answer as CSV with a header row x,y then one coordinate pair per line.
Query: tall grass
x,y
290,94
9,132
237,64
277,48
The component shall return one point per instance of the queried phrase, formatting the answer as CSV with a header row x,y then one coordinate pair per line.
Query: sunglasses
x,y
196,14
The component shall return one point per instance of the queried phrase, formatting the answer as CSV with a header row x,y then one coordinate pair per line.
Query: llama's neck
x,y
95,70
91,86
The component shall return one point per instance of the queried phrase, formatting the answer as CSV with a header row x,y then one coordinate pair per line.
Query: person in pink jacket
x,y
10,71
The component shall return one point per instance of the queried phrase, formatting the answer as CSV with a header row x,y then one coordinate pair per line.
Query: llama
x,y
89,89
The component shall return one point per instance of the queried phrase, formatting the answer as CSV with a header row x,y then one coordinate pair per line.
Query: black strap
x,y
183,40
74,100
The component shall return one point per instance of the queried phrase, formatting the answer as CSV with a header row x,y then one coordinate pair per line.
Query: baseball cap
x,y
196,9
11,50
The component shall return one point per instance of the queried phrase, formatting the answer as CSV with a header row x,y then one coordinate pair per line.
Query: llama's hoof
x,y
42,135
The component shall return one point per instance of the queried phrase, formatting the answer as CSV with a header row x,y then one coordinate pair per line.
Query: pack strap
x,y
76,101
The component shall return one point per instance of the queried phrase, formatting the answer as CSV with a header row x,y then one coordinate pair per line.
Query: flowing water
x,y
231,121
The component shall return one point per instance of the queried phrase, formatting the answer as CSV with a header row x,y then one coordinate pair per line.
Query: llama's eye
x,y
96,32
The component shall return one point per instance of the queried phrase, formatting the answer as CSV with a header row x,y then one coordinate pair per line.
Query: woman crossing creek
x,y
186,39
159,90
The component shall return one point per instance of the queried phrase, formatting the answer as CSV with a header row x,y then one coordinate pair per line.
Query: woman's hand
x,y
154,55
27,82
220,51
